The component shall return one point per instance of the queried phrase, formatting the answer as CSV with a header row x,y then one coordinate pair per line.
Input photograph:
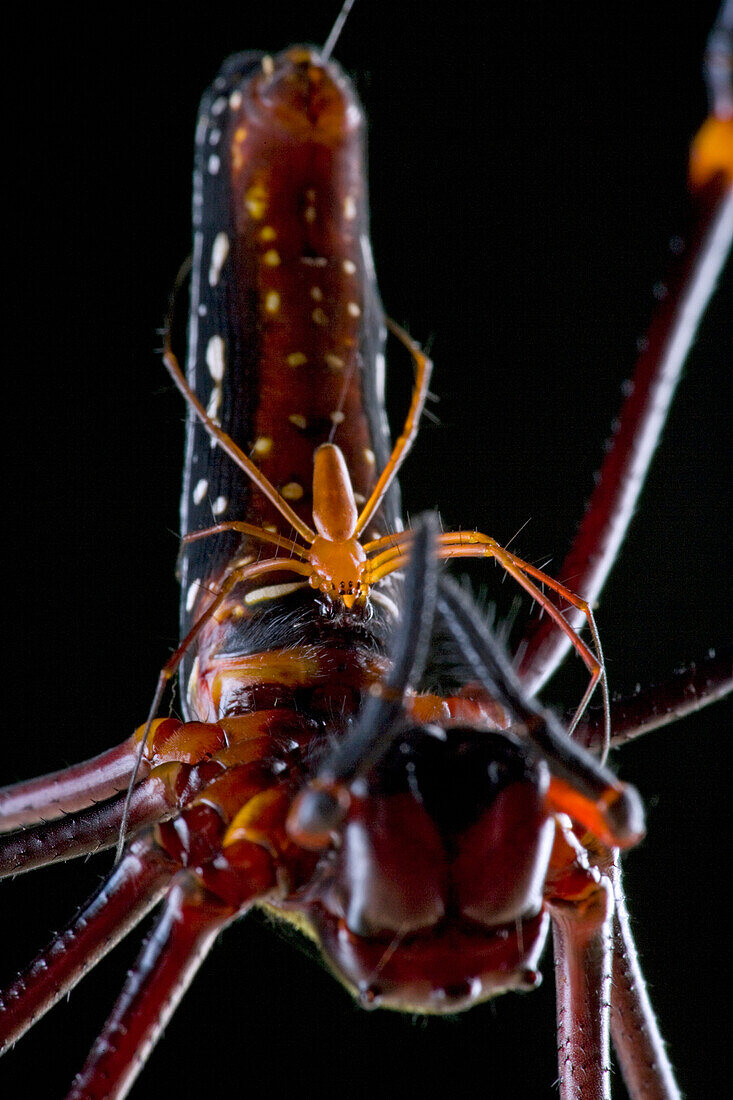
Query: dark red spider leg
x,y
69,789
688,690
580,905
636,1039
170,957
93,829
132,888
582,977
690,285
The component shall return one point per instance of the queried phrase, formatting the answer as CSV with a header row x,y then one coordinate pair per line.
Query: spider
x,y
676,612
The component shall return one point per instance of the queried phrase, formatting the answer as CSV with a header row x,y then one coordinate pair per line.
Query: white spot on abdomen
x,y
215,358
193,591
212,409
273,592
219,253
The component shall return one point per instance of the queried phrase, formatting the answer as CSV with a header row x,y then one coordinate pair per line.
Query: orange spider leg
x,y
423,370
236,574
235,453
454,545
469,544
389,561
252,531
385,542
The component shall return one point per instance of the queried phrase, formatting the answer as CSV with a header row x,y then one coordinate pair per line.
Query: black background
x,y
526,171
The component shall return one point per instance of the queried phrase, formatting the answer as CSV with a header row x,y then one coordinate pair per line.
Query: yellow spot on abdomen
x,y
262,446
712,151
298,420
271,258
296,359
256,200
292,491
272,301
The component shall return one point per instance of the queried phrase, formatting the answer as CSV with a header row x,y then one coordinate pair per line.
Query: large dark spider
x,y
592,206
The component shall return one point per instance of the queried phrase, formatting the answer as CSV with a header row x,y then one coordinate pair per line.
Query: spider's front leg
x,y
689,285
126,895
688,289
170,957
581,903
231,849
